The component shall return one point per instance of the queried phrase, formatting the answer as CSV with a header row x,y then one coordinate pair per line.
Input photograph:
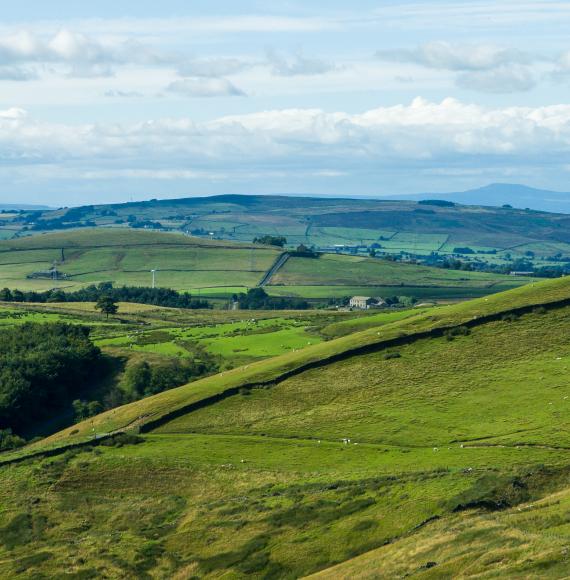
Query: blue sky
x,y
112,101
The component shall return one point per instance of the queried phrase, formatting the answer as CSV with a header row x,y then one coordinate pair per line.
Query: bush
x,y
453,333
492,492
122,439
10,441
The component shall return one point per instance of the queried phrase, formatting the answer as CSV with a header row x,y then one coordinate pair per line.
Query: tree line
x,y
94,293
258,299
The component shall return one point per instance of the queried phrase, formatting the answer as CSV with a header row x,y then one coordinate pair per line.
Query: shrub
x,y
122,439
453,333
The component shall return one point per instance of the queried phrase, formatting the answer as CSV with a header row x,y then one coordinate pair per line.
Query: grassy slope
x,y
529,541
269,370
340,270
245,486
126,256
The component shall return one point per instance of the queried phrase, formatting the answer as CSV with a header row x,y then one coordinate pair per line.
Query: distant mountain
x,y
519,196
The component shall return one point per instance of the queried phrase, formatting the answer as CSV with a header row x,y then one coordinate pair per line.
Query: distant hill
x,y
516,195
427,228
220,268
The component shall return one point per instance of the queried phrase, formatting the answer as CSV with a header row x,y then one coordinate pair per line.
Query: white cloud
x,y
298,65
503,79
205,87
17,73
418,133
212,67
475,13
113,93
479,67
454,57
14,113
409,144
83,56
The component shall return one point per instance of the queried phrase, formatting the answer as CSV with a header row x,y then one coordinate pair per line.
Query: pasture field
x,y
235,342
235,337
126,257
458,461
373,320
353,272
217,269
407,227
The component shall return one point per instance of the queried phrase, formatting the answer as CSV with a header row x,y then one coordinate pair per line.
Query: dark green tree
x,y
5,295
107,305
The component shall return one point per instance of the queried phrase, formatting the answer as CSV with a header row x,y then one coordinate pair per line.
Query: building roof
x,y
361,298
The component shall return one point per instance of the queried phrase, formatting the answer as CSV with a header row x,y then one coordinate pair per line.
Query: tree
x,y
5,295
107,305
278,241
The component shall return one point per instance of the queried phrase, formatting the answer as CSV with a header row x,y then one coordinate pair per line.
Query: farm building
x,y
365,302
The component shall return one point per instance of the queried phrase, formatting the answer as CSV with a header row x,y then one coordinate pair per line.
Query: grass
x,y
217,269
266,371
261,484
235,342
528,541
372,320
499,364
341,270
126,256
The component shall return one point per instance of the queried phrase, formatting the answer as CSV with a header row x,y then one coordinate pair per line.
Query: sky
x,y
113,101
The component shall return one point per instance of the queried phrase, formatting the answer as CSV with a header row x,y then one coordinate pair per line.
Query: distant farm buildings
x,y
365,302
521,273
53,273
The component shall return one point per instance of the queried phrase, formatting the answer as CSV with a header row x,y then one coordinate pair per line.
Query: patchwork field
x,y
338,275
126,258
436,444
490,234
218,269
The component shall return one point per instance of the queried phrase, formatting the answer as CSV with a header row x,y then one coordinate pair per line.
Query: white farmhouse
x,y
365,302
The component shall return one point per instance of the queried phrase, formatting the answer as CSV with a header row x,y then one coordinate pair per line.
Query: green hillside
x,y
457,426
216,268
126,257
492,234
335,273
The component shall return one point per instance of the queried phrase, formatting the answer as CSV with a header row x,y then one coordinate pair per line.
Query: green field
x,y
126,257
353,272
236,342
494,234
217,269
258,482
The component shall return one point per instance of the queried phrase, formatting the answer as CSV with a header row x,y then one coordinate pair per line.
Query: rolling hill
x,y
437,445
393,226
218,268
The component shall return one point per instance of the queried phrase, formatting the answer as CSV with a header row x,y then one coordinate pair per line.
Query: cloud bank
x,y
420,135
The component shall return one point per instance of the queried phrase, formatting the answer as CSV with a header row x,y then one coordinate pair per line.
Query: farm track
x,y
277,265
